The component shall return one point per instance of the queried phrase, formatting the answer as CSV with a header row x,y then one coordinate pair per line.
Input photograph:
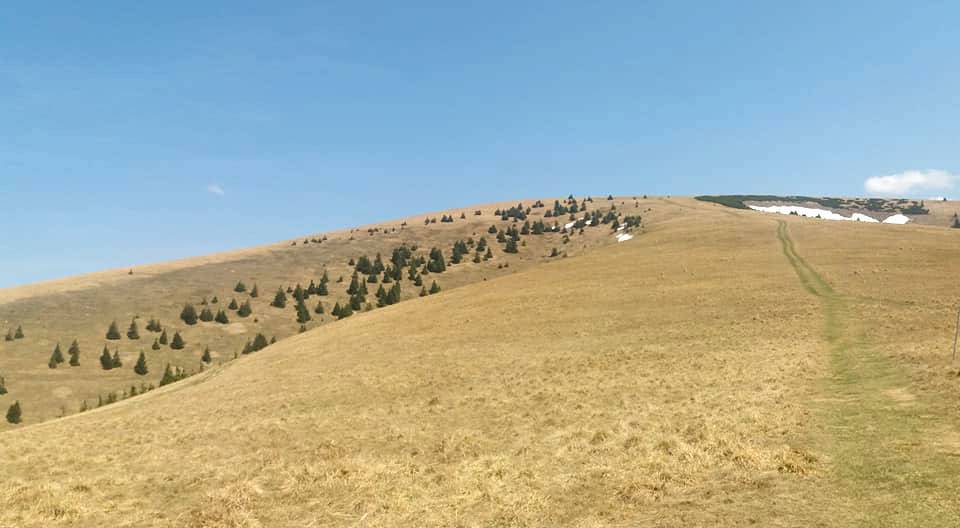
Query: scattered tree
x,y
141,366
115,360
255,292
222,317
206,356
106,362
280,299
232,305
434,288
19,333
14,413
177,343
74,354
113,333
240,287
189,314
245,309
132,331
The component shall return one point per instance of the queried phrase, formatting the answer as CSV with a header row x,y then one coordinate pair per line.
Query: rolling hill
x,y
723,367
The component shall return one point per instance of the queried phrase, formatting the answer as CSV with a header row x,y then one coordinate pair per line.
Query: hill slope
x,y
725,368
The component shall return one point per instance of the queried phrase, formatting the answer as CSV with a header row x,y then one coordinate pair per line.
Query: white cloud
x,y
215,189
910,181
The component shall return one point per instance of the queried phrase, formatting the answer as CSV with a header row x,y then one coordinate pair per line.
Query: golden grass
x,y
684,378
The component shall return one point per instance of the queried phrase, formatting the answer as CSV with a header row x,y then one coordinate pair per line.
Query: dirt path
x,y
891,462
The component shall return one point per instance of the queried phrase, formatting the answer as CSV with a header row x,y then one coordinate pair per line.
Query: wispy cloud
x,y
906,182
215,189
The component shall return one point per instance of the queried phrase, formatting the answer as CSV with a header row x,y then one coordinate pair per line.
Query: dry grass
x,y
82,307
685,378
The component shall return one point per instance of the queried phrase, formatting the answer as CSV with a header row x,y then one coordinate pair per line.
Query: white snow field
x,y
623,237
827,215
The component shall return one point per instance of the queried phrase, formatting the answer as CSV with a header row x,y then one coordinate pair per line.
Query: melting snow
x,y
623,237
827,215
897,219
568,225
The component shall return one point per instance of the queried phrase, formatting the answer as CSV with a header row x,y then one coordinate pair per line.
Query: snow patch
x,y
568,225
897,219
623,237
827,215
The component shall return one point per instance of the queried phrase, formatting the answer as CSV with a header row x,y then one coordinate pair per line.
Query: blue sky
x,y
116,119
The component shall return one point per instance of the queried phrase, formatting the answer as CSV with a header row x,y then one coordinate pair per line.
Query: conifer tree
x,y
336,310
493,230
255,292
74,354
240,287
233,304
206,356
206,315
303,315
3,386
280,299
189,314
322,287
245,309
345,311
511,246
222,317
214,300
9,336
434,288
423,291
177,343
418,281
132,331
115,360
141,366
303,328
155,345
113,332
168,376
163,337
259,342
14,413
106,362
19,333
319,308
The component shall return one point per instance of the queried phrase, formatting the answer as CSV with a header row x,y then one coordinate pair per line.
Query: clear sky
x,y
132,133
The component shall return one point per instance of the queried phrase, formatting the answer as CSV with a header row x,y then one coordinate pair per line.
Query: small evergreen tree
x,y
240,287
177,343
113,333
222,317
511,246
115,360
319,308
132,331
168,376
141,366
163,338
423,291
74,354
232,305
189,314
206,356
255,292
3,386
434,288
106,362
303,315
19,333
155,345
280,299
259,342
14,413
322,287
206,315
9,336
245,309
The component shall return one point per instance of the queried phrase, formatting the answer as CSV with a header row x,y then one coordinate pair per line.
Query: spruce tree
x,y
511,246
14,413
115,360
189,314
177,343
206,356
336,310
255,292
423,291
163,337
232,305
57,355
319,308
245,309
141,366
206,315
3,386
345,311
322,287
222,317
240,287
214,300
113,333
9,336
106,362
74,354
280,299
303,315
303,328
259,342
133,332
434,288
155,345
168,376
19,333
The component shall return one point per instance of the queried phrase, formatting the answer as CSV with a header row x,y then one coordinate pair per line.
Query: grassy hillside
x,y
82,308
723,368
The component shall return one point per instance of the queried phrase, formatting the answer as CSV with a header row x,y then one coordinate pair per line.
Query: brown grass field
x,y
723,368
